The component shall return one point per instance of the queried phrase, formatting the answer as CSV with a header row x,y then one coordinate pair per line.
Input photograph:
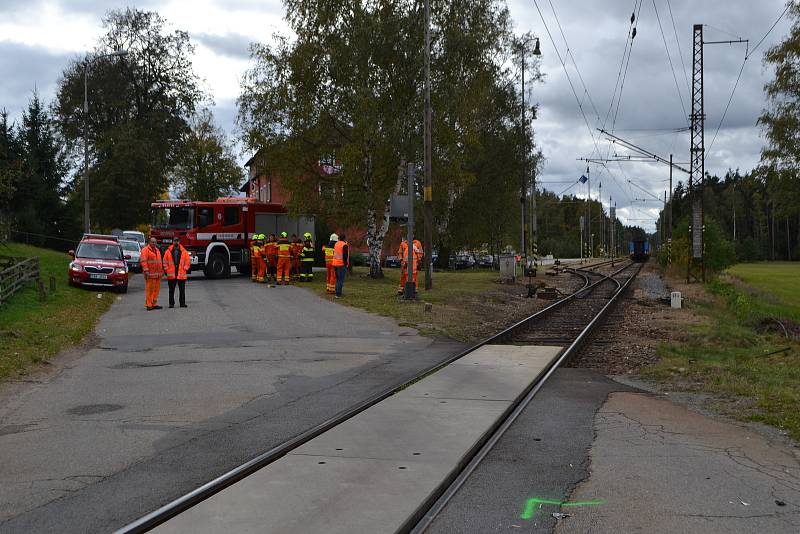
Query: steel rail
x,y
429,511
194,497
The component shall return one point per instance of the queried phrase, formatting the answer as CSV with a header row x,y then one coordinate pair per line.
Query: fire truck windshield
x,y
173,218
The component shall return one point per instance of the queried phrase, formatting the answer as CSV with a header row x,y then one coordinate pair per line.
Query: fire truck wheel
x,y
217,266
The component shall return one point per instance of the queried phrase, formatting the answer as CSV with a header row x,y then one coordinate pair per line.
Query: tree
x,y
37,200
9,169
349,87
206,167
139,107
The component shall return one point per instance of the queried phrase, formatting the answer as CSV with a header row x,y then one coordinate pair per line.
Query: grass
x,y
730,354
32,331
455,300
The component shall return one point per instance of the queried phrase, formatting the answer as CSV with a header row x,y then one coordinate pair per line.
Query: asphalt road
x,y
169,399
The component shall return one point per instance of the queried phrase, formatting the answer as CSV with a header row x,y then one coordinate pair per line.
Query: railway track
x,y
567,322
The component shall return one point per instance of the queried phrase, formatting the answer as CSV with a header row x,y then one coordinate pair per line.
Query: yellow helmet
x,y
307,235
284,234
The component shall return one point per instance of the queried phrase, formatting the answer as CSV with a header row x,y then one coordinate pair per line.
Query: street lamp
x,y
118,53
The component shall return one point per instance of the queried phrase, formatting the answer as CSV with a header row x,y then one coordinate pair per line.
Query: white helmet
x,y
334,237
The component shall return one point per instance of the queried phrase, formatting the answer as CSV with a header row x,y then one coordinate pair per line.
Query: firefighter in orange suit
x,y
297,247
402,252
177,265
341,261
270,254
262,260
285,254
330,280
152,270
253,262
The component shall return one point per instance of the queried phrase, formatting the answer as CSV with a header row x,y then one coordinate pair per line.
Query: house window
x,y
231,215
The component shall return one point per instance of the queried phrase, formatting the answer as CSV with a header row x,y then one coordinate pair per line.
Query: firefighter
x,y
177,264
253,262
341,260
285,254
330,279
417,257
297,247
262,260
271,256
152,270
307,259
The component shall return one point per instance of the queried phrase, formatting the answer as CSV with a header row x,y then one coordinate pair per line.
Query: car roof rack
x,y
100,236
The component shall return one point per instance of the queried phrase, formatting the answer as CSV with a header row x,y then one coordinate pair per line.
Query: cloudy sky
x,y
39,37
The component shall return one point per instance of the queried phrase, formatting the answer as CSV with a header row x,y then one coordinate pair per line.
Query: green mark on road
x,y
533,504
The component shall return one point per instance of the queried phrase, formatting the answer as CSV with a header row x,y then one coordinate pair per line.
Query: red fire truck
x,y
216,233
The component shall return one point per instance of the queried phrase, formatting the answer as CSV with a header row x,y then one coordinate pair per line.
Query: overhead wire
x,y
747,55
680,48
669,58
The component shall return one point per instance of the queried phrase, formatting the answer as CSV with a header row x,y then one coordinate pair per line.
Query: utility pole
x,y
589,214
600,198
87,224
733,202
410,289
428,185
669,215
697,159
524,184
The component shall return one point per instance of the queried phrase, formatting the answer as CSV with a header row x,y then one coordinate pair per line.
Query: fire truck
x,y
216,233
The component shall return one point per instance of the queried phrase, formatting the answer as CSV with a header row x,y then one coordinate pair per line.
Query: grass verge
x,y
32,331
455,301
753,370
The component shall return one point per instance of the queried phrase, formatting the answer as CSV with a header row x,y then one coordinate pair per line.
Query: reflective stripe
x,y
284,250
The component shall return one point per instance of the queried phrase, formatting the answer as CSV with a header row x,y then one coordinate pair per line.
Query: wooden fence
x,y
15,273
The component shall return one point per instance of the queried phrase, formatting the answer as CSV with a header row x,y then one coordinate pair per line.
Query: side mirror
x,y
71,253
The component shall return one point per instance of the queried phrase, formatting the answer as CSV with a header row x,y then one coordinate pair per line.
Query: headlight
x,y
121,270
75,266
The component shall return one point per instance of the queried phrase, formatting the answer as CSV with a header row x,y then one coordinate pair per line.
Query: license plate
x,y
98,276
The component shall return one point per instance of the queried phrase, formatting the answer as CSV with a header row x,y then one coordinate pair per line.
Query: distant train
x,y
639,250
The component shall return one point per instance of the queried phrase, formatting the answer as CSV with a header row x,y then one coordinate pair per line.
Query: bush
x,y
719,252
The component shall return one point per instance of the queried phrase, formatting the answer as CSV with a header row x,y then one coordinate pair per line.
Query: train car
x,y
639,250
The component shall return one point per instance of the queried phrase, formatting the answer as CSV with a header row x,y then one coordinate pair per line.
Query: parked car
x,y
132,250
99,262
462,261
392,261
486,261
135,235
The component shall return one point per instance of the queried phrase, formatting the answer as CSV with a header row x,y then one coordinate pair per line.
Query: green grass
x,y
778,285
727,353
32,331
455,300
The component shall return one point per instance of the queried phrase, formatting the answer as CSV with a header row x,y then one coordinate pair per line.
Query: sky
x,y
39,37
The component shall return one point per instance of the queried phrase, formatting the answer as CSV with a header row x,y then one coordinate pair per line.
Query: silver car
x,y
132,251
134,235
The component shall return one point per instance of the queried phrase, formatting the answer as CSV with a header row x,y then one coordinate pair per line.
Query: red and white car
x,y
99,262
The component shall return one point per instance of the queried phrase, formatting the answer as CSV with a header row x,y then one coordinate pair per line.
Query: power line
x,y
669,58
680,48
771,28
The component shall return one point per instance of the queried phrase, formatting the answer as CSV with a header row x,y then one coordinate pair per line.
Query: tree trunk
x,y
376,234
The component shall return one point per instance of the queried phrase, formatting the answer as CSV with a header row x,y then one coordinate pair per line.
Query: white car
x,y
132,250
134,235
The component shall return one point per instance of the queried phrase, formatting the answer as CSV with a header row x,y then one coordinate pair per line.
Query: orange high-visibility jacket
x,y
270,251
328,251
151,262
183,267
418,253
285,249
338,254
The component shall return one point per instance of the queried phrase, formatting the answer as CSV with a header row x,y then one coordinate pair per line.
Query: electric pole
x,y
428,180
